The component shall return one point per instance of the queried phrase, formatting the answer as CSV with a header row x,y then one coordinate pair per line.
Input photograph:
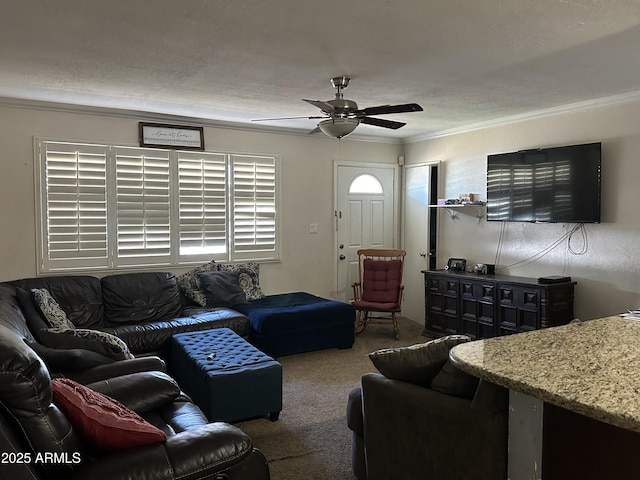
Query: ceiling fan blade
x,y
379,122
286,118
324,106
386,109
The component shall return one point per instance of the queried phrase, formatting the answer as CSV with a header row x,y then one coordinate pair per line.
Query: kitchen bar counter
x,y
574,397
591,367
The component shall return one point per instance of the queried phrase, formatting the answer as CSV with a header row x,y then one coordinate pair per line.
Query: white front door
x,y
415,221
366,216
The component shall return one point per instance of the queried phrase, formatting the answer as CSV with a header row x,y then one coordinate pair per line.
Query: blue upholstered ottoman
x,y
227,377
297,322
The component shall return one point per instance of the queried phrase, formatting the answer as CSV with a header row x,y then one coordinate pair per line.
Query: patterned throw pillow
x,y
248,278
417,364
190,284
103,422
93,340
54,314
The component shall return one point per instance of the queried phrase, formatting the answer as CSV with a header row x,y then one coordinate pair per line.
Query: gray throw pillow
x,y
32,314
417,364
222,289
51,310
100,342
453,381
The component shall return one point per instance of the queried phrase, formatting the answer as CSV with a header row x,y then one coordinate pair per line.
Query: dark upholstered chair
x,y
377,296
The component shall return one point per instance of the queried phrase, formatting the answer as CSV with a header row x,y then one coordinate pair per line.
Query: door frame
x,y
396,210
433,219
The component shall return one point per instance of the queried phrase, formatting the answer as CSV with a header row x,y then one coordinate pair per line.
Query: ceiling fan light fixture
x,y
338,127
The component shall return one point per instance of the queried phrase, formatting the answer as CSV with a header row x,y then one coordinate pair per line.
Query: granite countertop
x,y
590,367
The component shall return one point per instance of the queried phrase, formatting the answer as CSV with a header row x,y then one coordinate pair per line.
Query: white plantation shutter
x,y
202,192
143,206
254,198
73,206
105,207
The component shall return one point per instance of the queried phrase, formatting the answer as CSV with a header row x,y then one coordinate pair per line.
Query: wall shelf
x,y
476,209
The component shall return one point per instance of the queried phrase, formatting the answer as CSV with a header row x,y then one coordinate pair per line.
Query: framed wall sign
x,y
159,135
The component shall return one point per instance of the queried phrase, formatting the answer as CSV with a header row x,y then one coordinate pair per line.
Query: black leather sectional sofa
x,y
39,440
144,309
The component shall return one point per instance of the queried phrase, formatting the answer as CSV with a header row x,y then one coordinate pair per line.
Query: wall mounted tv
x,y
560,184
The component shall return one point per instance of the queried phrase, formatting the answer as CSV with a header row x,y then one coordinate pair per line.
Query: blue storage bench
x,y
298,322
227,377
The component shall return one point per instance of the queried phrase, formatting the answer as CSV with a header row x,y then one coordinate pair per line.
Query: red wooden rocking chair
x,y
377,296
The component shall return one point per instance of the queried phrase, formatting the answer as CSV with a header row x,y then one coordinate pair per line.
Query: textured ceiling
x,y
466,62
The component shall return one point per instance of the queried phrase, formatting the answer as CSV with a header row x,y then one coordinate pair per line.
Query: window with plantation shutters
x,y
202,187
142,205
106,207
73,202
254,206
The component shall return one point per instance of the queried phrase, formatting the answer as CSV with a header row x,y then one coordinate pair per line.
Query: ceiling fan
x,y
342,116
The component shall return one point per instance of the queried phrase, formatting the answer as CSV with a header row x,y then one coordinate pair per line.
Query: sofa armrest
x,y
140,391
115,369
415,432
193,454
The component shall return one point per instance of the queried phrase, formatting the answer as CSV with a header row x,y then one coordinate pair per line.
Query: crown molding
x,y
148,116
141,115
577,107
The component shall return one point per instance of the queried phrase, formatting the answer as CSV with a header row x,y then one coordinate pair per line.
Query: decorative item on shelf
x,y
480,269
485,269
456,265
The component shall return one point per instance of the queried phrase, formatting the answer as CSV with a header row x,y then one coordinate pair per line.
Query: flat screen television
x,y
560,184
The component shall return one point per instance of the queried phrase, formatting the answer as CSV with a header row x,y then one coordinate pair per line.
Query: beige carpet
x,y
311,439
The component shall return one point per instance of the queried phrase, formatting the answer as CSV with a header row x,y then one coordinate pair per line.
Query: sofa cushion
x,y
381,282
80,296
11,315
93,340
140,297
190,285
222,289
155,337
54,314
69,360
248,278
105,423
417,364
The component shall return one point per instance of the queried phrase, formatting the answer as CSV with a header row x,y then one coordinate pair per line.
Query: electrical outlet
x,y
313,228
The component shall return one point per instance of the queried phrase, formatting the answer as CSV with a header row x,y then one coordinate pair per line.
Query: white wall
x,y
608,274
307,187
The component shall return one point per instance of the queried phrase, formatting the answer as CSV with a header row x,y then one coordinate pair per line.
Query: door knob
x,y
342,257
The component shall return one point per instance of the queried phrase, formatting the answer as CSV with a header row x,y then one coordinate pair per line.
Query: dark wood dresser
x,y
483,306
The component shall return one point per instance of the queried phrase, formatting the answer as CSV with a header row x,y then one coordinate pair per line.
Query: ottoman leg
x,y
273,416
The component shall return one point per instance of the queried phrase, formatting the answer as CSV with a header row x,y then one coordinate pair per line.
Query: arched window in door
x,y
367,184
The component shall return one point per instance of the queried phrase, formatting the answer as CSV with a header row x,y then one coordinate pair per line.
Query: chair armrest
x,y
115,369
193,454
447,429
140,391
357,290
